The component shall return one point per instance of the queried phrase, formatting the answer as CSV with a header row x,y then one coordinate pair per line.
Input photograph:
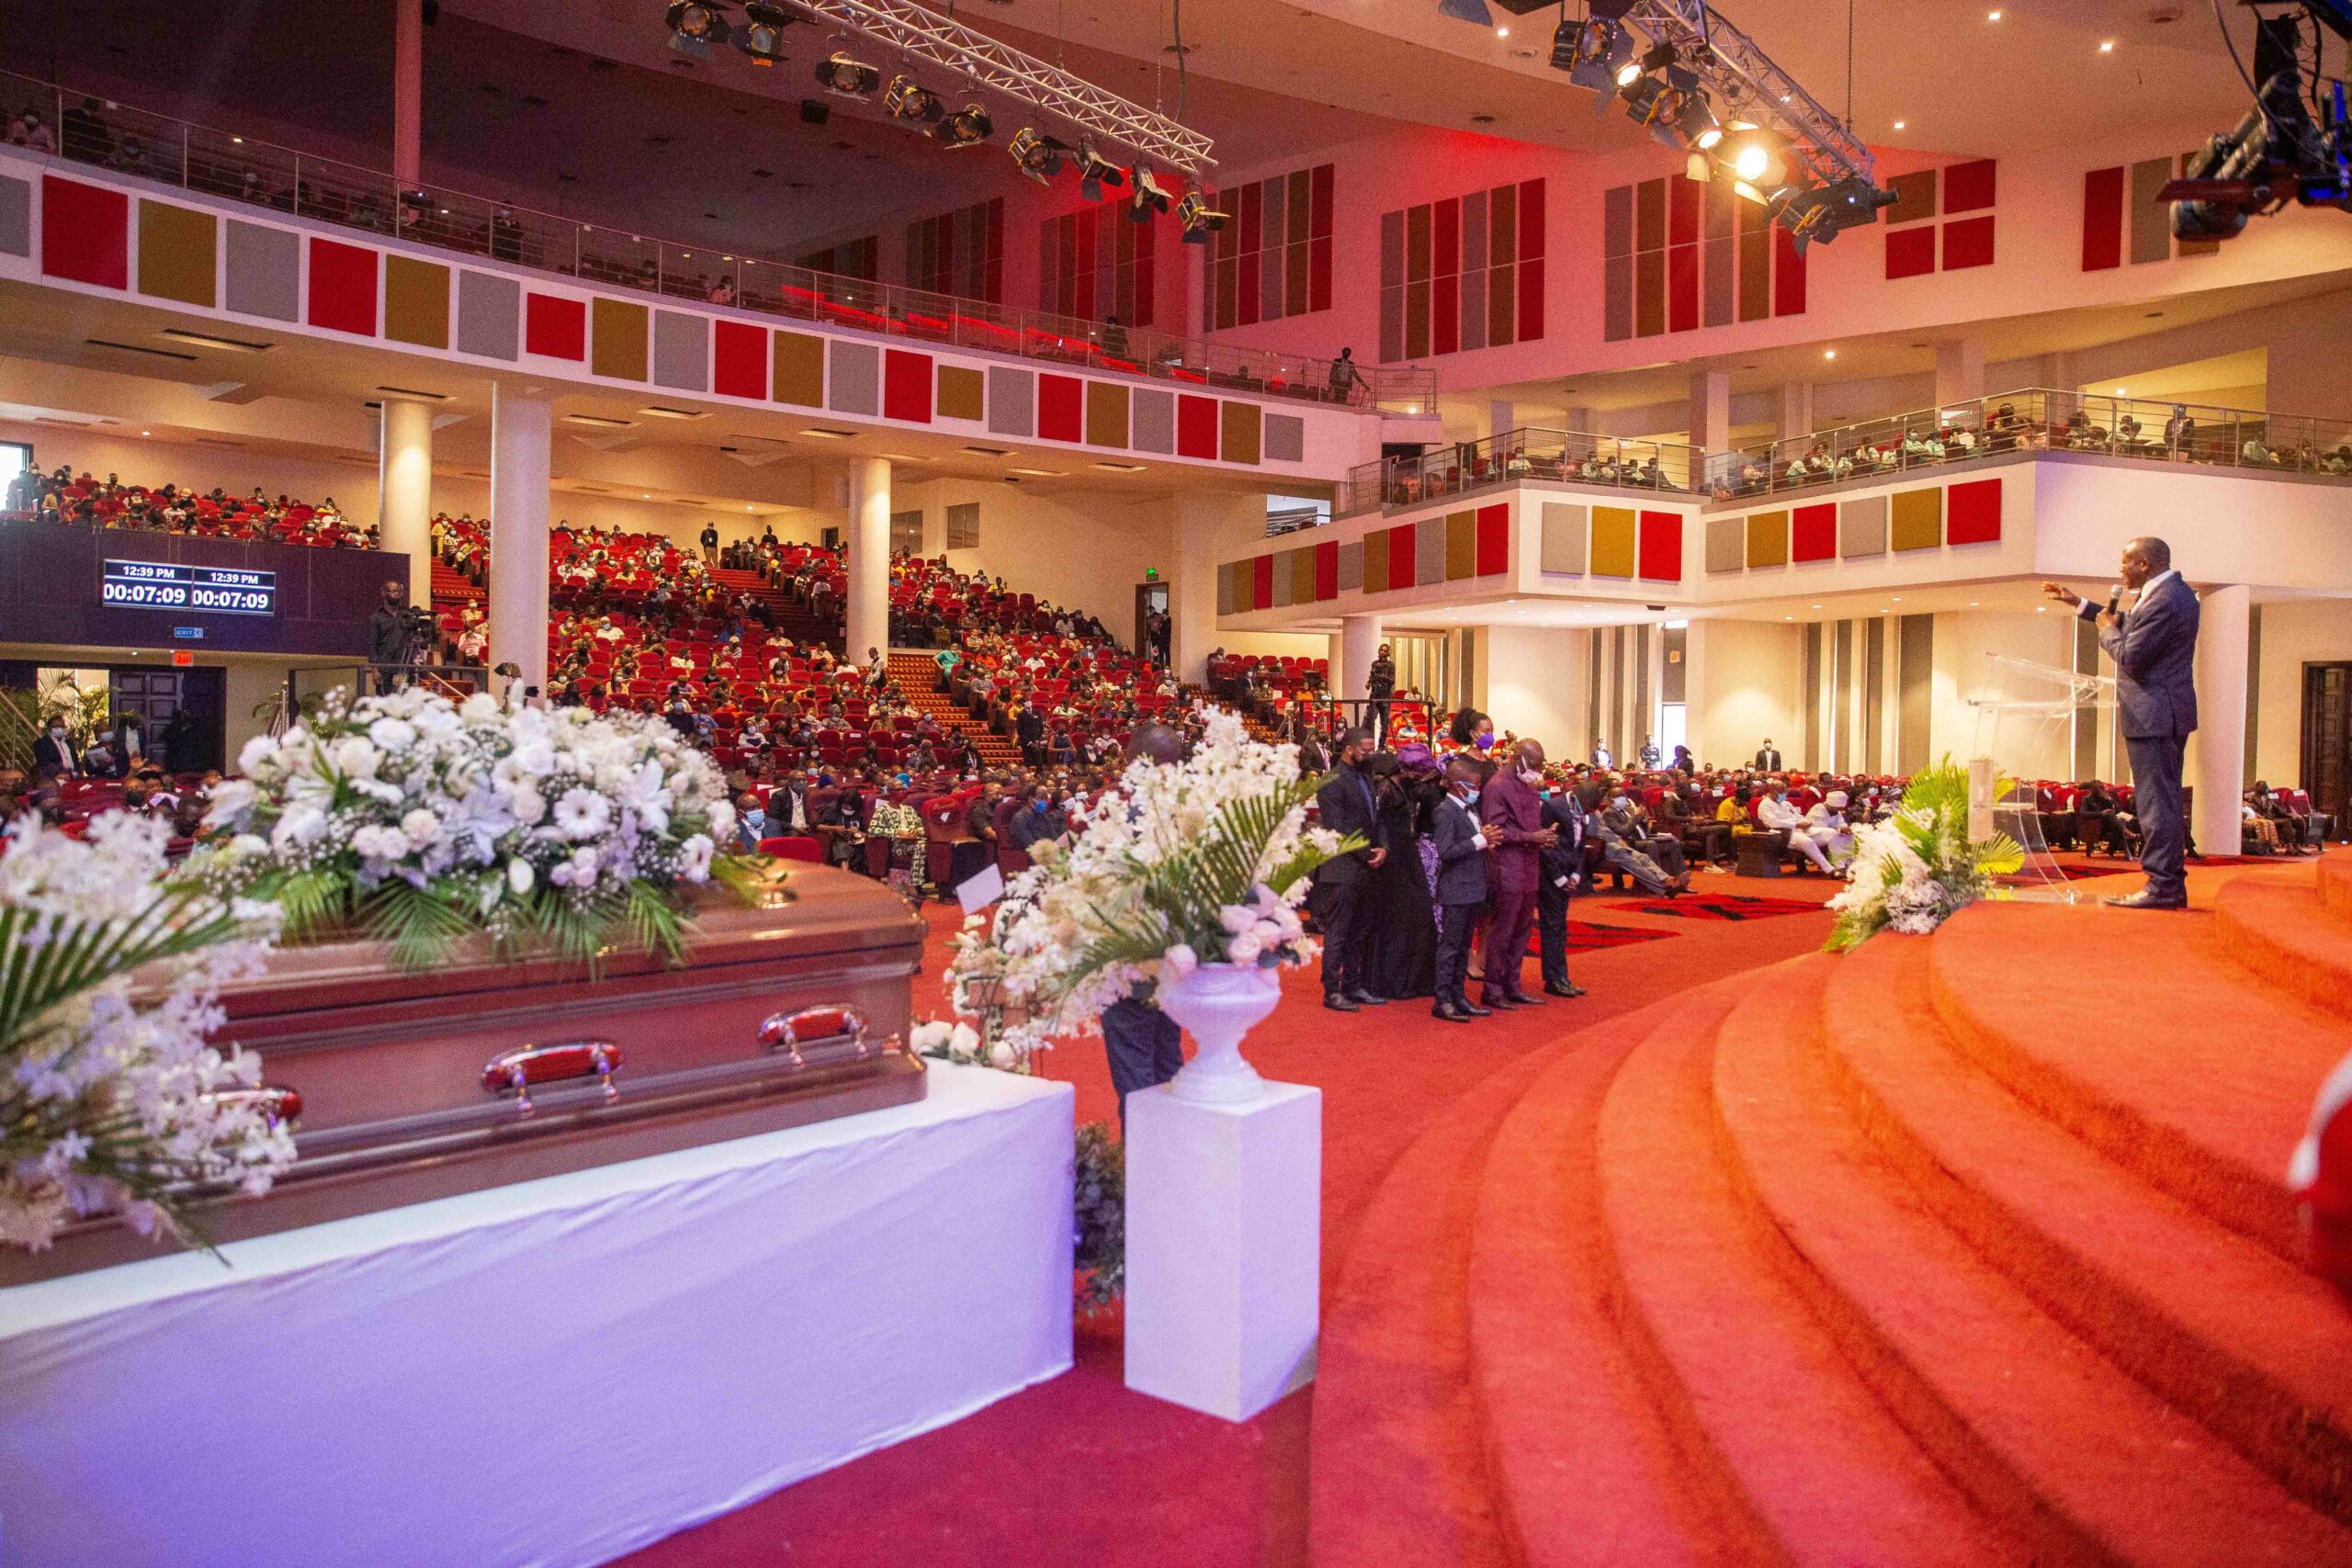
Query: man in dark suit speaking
x,y
2154,645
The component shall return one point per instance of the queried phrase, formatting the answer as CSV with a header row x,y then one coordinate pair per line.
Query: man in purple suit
x,y
1509,802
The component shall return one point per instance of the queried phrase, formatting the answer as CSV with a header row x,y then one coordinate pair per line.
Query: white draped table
x,y
554,1372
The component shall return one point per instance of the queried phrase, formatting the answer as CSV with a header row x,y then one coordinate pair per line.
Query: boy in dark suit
x,y
1462,843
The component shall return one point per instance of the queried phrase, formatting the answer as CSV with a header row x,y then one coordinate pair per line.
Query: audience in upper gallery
x,y
64,496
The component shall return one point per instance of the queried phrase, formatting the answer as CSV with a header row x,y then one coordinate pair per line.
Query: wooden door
x,y
2327,740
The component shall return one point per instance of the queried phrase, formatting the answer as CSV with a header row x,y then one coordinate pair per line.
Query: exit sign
x,y
182,658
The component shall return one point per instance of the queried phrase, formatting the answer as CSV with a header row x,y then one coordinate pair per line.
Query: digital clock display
x,y
159,585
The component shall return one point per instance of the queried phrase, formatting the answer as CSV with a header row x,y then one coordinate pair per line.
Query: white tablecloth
x,y
554,1372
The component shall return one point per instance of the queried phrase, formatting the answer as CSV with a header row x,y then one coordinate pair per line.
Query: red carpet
x,y
1726,906
1082,1473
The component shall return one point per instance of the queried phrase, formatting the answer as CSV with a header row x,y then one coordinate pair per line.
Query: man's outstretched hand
x,y
2065,596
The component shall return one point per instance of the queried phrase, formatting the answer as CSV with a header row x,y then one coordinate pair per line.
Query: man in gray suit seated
x,y
2154,645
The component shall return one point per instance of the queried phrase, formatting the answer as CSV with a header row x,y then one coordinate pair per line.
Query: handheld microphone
x,y
2114,598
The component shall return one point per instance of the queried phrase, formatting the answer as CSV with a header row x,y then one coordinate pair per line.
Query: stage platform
x,y
554,1372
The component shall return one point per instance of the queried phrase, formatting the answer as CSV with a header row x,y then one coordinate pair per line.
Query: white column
x,y
1710,417
408,92
404,490
2217,755
1359,646
1502,419
1960,371
520,434
1795,408
1694,691
869,556
1200,521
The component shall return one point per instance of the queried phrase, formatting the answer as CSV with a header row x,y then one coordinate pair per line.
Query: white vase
x,y
1217,1004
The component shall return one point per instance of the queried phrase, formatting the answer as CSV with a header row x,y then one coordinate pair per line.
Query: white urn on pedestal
x,y
1217,1004
1225,1178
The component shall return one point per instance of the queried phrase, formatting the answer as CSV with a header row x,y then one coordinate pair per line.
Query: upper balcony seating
x,y
64,496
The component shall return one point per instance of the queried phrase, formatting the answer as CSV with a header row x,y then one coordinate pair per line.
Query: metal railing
x,y
2038,420
145,146
1566,456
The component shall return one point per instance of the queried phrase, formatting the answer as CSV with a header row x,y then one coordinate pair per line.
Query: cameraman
x,y
391,634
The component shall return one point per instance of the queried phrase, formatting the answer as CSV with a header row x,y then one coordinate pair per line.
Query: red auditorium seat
x,y
792,847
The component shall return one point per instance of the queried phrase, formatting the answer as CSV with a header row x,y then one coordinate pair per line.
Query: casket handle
x,y
279,1106
787,1032
527,1064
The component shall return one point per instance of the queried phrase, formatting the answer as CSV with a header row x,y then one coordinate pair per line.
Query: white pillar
x,y
1710,417
408,92
1960,371
1796,410
404,490
1358,645
1502,419
1200,523
1694,691
520,433
868,592
2217,755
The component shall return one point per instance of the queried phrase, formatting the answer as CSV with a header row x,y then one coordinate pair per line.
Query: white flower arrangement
x,y
1203,862
1918,868
113,1100
417,821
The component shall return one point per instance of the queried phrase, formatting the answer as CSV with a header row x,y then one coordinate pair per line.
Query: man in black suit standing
x,y
53,753
1461,842
1768,756
2154,645
1345,806
1562,865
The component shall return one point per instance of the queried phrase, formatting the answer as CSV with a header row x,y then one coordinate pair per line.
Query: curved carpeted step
x,y
2145,1043
1396,1471
2335,882
2280,926
1751,1383
2043,1432
1584,1474
2259,1352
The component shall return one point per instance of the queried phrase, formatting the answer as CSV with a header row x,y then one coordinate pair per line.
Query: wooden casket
x,y
405,1087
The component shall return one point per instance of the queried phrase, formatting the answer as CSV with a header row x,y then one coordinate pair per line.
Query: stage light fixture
x,y
1199,219
1698,123
1755,159
1095,170
967,127
695,28
1563,44
1037,155
762,34
1150,196
908,99
1601,48
846,76
1657,57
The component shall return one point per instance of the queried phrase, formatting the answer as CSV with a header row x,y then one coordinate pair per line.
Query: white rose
x,y
529,805
257,752
479,708
392,734
302,825
1180,960
248,844
930,1036
535,758
355,758
381,843
519,875
1002,1055
1242,949
231,799
421,825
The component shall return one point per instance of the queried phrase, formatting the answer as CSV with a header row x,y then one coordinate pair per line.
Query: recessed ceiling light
x,y
598,419
1897,598
1828,354
413,392
659,411
1502,32
823,435
1121,468
2106,46
990,451
1971,604
902,457
2121,393
1898,125
649,495
146,433
1038,473
236,344
1816,607
1992,16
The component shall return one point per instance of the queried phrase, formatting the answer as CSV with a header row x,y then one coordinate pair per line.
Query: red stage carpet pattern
x,y
1718,906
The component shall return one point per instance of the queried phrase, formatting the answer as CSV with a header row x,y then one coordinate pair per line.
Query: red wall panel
x,y
85,232
1660,552
1788,274
1062,401
343,288
906,386
1682,287
1494,539
1911,252
555,327
1530,300
1327,570
1531,220
1445,315
1968,242
1969,187
2102,219
1812,534
1400,556
1196,427
739,360
1261,583
1972,513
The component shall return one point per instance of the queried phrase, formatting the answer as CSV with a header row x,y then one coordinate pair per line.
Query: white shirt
x,y
1775,813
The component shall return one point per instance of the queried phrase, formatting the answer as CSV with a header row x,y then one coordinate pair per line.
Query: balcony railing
x,y
1566,456
135,143
2038,420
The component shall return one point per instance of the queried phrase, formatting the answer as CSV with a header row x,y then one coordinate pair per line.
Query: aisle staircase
x,y
789,615
918,675
1973,1248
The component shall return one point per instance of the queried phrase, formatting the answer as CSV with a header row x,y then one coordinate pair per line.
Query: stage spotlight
x,y
1466,11
1199,219
840,74
1824,213
695,29
1095,170
1657,57
1601,47
1150,196
1698,123
910,99
1755,159
1038,157
762,34
967,127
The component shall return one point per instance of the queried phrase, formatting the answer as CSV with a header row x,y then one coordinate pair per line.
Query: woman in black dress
x,y
1402,954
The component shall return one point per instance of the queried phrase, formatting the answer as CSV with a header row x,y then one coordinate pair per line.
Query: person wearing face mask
x,y
1563,870
1626,845
1473,731
1348,805
1464,846
1510,803
54,755
750,823
1037,821
1826,826
1775,812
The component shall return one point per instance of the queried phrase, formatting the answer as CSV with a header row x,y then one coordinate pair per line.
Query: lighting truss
x,y
1747,86
910,29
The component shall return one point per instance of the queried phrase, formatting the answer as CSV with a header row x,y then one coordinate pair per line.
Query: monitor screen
x,y
198,590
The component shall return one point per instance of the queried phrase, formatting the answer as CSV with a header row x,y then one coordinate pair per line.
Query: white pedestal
x,y
1225,1241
